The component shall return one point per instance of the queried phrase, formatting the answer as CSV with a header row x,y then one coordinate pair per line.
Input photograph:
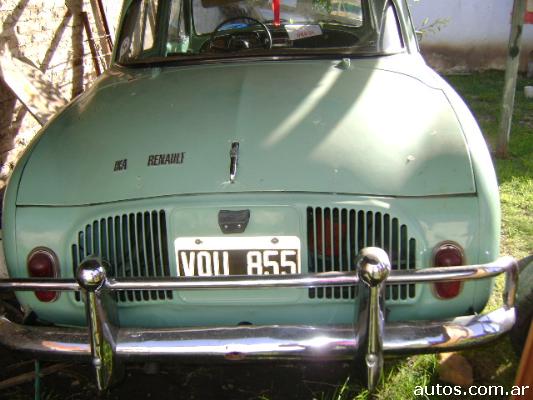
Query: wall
x,y
475,37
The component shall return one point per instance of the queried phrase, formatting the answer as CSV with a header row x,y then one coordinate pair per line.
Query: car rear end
x,y
275,204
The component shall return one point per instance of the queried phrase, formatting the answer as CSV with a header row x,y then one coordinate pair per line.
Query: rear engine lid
x,y
301,126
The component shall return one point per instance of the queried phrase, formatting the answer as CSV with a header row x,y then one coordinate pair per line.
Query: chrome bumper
x,y
367,340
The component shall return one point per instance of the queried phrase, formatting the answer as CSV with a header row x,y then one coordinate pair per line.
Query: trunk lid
x,y
302,126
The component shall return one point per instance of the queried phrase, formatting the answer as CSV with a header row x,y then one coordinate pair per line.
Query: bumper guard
x,y
368,339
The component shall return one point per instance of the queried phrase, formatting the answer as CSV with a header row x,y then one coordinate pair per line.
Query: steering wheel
x,y
236,41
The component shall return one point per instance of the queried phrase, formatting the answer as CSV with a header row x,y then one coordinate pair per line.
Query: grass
x,y
494,365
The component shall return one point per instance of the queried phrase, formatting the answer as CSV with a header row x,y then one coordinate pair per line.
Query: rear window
x,y
159,29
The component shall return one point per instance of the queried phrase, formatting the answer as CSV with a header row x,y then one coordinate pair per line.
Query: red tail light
x,y
42,263
448,255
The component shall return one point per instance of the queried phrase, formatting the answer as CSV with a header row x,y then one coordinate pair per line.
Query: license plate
x,y
225,256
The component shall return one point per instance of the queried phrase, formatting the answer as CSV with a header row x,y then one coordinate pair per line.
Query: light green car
x,y
257,180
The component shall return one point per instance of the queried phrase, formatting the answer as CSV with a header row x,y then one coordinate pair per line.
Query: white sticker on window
x,y
296,32
124,47
290,3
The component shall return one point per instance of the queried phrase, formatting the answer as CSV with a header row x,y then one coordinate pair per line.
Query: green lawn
x,y
495,364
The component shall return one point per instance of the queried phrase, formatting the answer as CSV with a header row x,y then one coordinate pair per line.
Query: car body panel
x,y
435,219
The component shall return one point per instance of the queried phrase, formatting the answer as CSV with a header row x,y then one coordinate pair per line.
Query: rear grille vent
x,y
336,235
135,245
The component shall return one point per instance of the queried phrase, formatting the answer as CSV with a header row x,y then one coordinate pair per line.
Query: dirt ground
x,y
260,381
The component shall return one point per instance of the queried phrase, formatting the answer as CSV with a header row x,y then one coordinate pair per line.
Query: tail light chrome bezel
x,y
436,249
55,268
